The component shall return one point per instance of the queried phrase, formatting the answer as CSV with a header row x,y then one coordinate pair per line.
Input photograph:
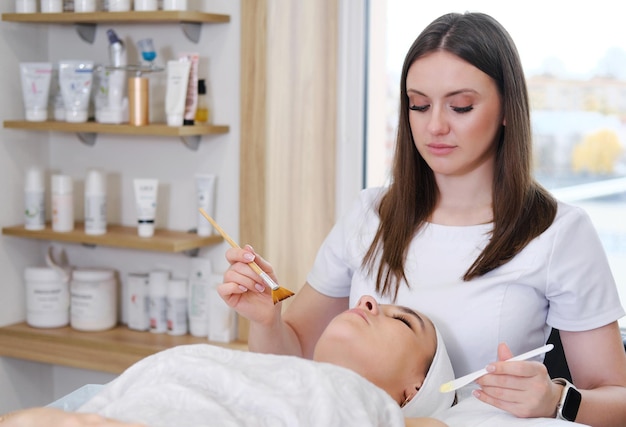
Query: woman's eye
x,y
419,107
463,109
403,320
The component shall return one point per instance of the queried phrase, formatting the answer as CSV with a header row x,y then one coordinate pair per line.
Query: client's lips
x,y
358,312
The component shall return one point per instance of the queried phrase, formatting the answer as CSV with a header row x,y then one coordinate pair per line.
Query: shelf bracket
x,y
192,141
192,30
192,253
87,138
87,32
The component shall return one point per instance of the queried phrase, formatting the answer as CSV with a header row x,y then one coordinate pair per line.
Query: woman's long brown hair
x,y
522,208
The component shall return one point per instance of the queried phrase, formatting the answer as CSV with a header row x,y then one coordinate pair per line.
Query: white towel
x,y
204,385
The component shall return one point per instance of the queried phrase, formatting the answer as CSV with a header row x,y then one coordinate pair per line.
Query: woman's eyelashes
x,y
423,108
403,319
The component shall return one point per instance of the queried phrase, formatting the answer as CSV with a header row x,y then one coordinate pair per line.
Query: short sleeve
x,y
581,288
342,251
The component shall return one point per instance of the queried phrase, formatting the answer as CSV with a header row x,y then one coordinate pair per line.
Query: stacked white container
x,y
93,305
47,298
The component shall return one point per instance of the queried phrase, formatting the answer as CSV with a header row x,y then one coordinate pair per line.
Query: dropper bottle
x,y
202,111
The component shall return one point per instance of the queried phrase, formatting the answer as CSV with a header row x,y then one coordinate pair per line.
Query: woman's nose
x,y
367,302
437,124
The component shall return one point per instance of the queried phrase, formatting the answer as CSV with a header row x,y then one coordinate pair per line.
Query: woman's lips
x,y
440,149
358,313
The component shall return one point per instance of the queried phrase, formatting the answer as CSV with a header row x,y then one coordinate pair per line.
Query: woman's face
x,y
391,346
455,113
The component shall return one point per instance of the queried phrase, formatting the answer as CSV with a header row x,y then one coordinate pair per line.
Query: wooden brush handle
x,y
230,241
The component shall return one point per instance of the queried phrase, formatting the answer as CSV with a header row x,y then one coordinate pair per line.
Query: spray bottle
x,y
117,80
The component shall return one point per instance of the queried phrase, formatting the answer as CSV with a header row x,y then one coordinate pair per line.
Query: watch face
x,y
571,404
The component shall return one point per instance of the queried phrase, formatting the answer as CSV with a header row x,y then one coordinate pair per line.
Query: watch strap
x,y
568,405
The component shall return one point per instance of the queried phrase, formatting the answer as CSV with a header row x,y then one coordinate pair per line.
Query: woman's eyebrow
x,y
410,91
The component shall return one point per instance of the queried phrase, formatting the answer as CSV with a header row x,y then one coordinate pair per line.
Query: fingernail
x,y
476,393
242,288
490,368
259,287
248,257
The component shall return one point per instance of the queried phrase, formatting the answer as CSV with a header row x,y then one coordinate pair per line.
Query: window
x,y
576,74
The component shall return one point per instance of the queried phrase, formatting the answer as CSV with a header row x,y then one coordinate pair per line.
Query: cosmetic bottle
x,y
138,301
202,110
95,203
34,200
157,291
62,203
176,304
198,297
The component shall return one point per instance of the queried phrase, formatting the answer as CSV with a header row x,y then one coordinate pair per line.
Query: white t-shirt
x,y
561,279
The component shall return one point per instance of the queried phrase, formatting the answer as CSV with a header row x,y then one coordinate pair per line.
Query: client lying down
x,y
373,365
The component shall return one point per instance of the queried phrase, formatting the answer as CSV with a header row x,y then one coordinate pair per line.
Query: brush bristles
x,y
281,294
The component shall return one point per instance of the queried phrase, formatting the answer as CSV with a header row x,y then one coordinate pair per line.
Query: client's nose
x,y
367,302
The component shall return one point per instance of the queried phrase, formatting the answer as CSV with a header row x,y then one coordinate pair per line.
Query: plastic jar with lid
x,y
93,305
47,298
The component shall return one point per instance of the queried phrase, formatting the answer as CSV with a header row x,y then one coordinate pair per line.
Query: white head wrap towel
x,y
429,400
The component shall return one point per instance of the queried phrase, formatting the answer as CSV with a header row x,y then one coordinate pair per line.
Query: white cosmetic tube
x,y
191,99
176,91
146,201
205,197
36,77
198,297
76,78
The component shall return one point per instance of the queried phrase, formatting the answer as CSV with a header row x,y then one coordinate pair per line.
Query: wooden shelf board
x,y
116,17
107,351
121,237
153,129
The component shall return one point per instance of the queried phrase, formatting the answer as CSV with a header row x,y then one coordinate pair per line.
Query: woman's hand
x,y
245,291
522,388
37,417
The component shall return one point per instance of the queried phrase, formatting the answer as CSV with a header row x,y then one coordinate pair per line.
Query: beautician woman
x,y
465,235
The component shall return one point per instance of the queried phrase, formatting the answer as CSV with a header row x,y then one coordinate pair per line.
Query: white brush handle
x,y
268,281
466,379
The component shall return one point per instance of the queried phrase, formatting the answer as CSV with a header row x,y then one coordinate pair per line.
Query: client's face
x,y
390,345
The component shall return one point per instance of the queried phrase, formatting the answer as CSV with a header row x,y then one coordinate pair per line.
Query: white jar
x,y
62,203
119,5
174,4
157,290
177,307
34,200
145,5
85,5
47,298
25,6
93,305
51,6
95,203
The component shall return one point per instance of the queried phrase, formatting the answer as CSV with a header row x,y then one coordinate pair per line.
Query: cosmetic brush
x,y
464,380
278,293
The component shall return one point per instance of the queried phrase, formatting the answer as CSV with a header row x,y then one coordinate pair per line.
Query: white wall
x,y
123,157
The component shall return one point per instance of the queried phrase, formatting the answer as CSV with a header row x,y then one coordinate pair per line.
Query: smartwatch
x,y
568,405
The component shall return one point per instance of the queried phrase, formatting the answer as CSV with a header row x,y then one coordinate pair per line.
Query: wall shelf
x,y
107,351
190,21
120,237
87,131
